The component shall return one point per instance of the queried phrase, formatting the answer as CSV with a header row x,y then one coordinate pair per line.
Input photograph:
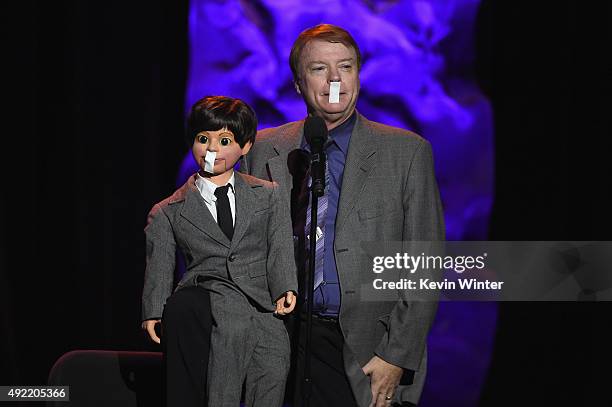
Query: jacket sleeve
x,y
410,321
282,271
160,262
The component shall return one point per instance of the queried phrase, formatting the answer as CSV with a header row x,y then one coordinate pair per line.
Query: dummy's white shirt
x,y
207,190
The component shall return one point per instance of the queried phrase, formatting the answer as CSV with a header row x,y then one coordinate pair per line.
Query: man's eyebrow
x,y
324,63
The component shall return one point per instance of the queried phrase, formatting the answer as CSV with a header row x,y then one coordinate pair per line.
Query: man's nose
x,y
334,75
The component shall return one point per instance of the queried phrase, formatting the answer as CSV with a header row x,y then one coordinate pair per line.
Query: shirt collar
x,y
207,187
341,135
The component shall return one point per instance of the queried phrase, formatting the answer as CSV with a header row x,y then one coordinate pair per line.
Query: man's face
x,y
321,63
224,144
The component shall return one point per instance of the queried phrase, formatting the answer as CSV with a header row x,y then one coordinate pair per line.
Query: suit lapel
x,y
195,212
278,165
246,201
360,161
279,173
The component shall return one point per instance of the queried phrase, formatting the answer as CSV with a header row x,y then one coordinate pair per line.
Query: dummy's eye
x,y
346,67
318,68
225,141
203,139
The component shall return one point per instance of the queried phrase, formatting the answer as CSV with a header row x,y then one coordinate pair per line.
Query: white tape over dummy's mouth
x,y
209,161
334,92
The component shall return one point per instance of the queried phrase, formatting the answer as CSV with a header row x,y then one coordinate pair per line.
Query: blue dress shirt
x,y
327,295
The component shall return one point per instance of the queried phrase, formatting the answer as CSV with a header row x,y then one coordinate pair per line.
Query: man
x,y
381,187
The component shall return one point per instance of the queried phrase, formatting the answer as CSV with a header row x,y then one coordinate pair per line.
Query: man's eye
x,y
203,139
226,141
318,68
346,67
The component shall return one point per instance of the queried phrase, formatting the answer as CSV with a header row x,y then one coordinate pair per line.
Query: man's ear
x,y
247,147
297,87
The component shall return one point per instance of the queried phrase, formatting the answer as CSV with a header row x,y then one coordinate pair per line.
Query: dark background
x,y
94,138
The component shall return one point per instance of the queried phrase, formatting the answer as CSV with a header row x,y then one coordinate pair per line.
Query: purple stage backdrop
x,y
417,74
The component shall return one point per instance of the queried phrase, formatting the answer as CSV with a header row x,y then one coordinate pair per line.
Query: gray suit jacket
x,y
259,259
389,193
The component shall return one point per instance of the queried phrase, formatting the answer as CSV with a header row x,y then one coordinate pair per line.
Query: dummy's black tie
x,y
224,212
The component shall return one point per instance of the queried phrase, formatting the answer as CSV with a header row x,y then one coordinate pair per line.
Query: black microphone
x,y
315,132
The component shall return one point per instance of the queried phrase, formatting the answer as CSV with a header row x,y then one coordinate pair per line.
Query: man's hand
x,y
384,379
285,303
149,326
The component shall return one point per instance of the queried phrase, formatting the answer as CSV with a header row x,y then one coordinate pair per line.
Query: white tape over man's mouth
x,y
209,161
334,92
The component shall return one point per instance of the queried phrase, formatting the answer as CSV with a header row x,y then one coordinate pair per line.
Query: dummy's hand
x,y
149,326
384,379
285,303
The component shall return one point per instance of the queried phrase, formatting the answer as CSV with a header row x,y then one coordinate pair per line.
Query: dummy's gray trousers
x,y
245,344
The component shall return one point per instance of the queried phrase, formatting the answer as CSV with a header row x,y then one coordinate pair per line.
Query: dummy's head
x,y
325,61
220,130
218,112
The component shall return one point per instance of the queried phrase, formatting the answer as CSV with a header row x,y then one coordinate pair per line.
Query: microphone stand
x,y
317,190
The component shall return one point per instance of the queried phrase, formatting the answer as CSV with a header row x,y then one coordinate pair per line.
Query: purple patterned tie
x,y
321,214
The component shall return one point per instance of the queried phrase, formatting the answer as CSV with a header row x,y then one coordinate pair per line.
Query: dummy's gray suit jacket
x,y
389,193
259,259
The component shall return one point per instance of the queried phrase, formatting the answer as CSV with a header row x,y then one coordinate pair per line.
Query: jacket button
x,y
232,257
